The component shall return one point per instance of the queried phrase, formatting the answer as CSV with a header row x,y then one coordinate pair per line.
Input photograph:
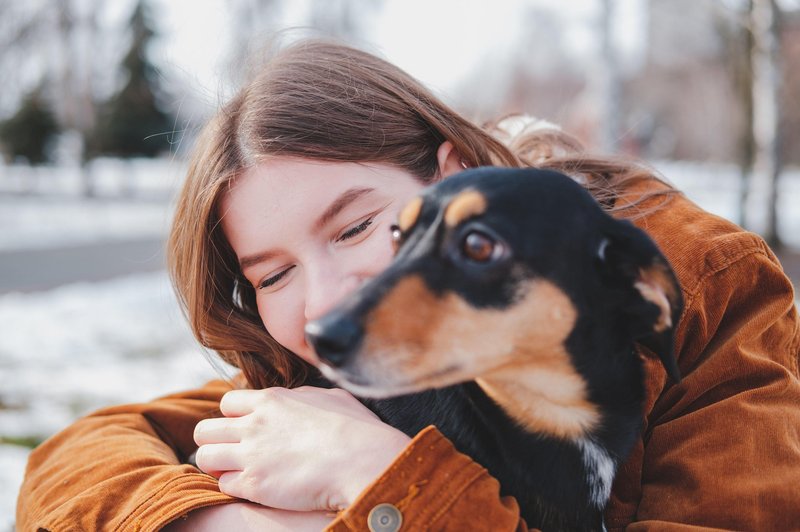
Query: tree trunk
x,y
608,78
766,76
743,75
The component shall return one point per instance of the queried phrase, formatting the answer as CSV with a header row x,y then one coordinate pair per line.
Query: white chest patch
x,y
600,471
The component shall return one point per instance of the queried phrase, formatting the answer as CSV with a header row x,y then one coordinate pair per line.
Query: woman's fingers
x,y
242,402
217,430
230,483
219,457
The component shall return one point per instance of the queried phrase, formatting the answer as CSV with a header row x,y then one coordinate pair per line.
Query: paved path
x,y
43,269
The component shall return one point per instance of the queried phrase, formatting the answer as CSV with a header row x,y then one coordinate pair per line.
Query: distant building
x,y
681,102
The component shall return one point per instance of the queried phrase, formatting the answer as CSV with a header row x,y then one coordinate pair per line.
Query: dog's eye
x,y
478,246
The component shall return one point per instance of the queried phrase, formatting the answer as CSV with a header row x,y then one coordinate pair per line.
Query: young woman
x,y
285,210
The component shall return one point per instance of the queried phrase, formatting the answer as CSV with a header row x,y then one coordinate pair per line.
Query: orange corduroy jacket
x,y
721,449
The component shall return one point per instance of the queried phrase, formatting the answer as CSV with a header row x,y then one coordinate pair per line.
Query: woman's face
x,y
307,233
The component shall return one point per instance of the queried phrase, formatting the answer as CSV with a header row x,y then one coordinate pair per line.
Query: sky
x,y
438,41
441,42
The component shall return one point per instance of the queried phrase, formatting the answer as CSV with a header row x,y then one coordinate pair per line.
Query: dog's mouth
x,y
382,388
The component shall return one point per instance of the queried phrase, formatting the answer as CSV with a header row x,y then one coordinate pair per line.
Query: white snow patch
x,y
45,207
12,469
81,347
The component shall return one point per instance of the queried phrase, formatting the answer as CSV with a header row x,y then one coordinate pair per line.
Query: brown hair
x,y
327,101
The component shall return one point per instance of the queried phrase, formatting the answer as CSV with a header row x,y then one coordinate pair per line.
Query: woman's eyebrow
x,y
345,198
252,260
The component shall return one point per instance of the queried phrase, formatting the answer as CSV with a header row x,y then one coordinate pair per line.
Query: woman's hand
x,y
297,449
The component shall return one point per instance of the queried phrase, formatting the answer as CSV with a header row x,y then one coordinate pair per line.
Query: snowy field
x,y
76,348
72,350
42,207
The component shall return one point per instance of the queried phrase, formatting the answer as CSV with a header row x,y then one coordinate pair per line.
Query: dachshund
x,y
509,319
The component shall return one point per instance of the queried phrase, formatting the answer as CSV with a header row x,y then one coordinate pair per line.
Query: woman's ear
x,y
449,160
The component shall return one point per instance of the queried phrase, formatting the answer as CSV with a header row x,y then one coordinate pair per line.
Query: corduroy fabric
x,y
436,488
119,468
719,450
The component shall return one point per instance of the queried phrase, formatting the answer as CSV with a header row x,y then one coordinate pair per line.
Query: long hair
x,y
330,102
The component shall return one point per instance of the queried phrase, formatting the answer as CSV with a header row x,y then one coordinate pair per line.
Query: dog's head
x,y
495,269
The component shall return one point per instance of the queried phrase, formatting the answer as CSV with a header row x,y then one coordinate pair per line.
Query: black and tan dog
x,y
508,320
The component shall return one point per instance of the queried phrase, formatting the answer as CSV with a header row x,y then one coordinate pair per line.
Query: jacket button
x,y
384,518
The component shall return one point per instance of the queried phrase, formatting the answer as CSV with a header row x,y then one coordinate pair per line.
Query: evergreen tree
x,y
131,123
28,133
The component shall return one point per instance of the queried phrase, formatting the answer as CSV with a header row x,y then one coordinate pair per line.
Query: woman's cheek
x,y
378,253
283,317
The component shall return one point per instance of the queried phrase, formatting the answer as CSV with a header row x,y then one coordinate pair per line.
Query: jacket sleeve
x,y
722,448
121,468
432,486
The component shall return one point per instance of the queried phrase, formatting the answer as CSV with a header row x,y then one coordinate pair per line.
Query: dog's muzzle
x,y
334,337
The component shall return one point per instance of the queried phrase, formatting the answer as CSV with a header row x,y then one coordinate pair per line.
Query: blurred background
x,y
101,101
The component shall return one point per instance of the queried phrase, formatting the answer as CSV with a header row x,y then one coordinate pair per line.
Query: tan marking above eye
x,y
467,204
409,214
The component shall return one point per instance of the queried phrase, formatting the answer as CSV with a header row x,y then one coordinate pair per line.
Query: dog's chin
x,y
362,386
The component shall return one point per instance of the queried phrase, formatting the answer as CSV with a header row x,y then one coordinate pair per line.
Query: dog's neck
x,y
550,400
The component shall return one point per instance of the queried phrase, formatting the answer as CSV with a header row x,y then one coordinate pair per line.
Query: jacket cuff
x,y
420,486
175,499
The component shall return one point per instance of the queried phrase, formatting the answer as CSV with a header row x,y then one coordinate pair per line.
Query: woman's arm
x,y
432,486
722,448
121,467
327,451
245,516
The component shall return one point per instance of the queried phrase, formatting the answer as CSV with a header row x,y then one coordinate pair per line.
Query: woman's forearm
x,y
121,467
249,516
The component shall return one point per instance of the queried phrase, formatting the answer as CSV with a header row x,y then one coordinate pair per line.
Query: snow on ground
x,y
715,187
71,350
108,177
44,207
36,223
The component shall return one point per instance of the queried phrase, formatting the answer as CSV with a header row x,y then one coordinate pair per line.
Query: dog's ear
x,y
652,303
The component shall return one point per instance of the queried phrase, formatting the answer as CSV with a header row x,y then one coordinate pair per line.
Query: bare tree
x,y
750,30
764,17
257,23
343,19
76,32
608,81
24,27
254,22
733,26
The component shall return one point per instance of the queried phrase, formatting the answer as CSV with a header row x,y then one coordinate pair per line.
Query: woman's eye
x,y
353,231
269,281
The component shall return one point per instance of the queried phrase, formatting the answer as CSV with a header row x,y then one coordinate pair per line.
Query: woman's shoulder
x,y
697,243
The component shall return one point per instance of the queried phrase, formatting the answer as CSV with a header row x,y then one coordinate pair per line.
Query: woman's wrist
x,y
370,466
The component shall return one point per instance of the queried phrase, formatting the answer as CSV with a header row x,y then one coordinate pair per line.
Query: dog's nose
x,y
333,338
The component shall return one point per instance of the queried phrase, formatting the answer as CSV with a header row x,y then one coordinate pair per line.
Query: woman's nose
x,y
325,289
